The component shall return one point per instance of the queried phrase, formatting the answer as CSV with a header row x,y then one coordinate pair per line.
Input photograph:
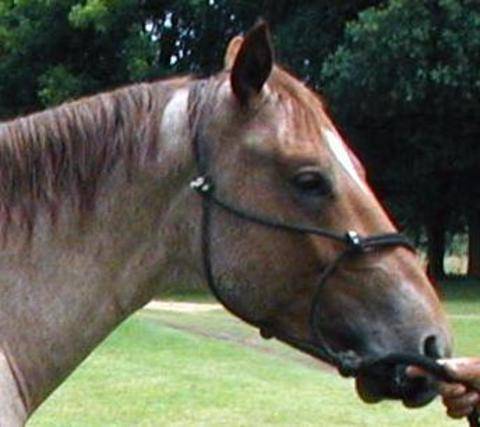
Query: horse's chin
x,y
394,384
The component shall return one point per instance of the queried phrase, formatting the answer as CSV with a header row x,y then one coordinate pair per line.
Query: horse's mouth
x,y
393,383
377,382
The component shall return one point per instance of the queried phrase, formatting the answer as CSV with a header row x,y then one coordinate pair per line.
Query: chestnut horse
x,y
97,213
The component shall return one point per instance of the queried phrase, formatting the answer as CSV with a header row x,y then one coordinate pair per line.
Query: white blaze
x,y
338,147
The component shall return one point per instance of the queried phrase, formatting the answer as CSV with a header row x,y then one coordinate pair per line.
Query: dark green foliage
x,y
53,50
406,84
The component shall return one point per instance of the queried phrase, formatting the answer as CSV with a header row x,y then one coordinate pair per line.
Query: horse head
x,y
272,152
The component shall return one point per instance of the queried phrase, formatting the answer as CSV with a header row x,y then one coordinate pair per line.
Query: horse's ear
x,y
253,62
232,51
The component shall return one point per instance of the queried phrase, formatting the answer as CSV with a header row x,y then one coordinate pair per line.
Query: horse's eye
x,y
312,183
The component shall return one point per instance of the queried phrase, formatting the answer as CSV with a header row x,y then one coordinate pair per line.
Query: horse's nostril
x,y
431,347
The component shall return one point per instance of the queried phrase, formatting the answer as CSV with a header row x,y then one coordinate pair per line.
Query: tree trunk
x,y
436,247
474,245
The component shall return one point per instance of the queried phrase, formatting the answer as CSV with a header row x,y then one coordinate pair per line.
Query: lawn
x,y
208,369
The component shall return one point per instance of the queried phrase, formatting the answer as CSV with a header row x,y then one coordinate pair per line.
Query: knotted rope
x,y
435,369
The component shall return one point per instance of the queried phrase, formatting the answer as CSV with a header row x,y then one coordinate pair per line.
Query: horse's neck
x,y
64,292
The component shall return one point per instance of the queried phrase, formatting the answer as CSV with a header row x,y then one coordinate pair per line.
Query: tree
x,y
405,83
49,53
53,50
313,31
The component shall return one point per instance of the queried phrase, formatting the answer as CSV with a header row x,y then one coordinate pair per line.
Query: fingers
x,y
415,372
463,405
459,398
451,390
466,370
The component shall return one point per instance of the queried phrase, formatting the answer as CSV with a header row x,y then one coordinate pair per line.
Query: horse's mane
x,y
65,151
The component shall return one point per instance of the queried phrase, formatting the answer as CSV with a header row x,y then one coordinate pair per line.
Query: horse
x,y
241,176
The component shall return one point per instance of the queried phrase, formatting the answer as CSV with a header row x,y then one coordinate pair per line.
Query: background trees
x,y
402,77
52,50
405,82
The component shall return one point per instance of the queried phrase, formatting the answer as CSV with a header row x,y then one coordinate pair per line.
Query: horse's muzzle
x,y
391,382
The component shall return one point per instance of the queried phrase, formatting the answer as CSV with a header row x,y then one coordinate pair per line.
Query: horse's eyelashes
x,y
312,183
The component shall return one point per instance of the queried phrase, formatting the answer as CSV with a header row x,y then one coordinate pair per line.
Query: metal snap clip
x,y
354,240
201,184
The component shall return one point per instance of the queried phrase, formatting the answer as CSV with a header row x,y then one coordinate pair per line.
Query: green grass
x,y
461,296
462,301
154,371
198,295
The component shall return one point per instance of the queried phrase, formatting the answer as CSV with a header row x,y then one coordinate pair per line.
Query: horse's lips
x,y
413,393
367,391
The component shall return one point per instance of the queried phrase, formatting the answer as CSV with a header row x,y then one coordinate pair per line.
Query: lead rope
x,y
429,365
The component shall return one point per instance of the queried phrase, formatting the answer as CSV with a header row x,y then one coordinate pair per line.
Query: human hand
x,y
460,398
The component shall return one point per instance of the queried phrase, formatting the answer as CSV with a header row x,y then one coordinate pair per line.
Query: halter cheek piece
x,y
348,363
355,245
